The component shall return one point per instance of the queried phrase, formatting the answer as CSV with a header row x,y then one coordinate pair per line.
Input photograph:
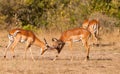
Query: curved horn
x,y
49,47
45,42
54,39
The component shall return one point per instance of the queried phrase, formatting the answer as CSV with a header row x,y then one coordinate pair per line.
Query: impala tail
x,y
11,37
16,32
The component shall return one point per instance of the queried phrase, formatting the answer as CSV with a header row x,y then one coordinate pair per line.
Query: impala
x,y
21,35
93,26
85,23
71,36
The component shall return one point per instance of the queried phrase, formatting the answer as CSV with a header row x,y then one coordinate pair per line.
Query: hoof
x,y
4,56
71,58
87,58
96,44
13,56
54,59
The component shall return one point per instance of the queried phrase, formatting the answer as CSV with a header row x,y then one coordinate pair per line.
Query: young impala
x,y
21,35
93,26
71,36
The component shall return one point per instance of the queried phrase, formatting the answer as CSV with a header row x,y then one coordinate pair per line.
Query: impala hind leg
x,y
96,39
13,47
9,44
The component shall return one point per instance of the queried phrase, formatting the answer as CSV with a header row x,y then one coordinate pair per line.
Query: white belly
x,y
76,38
22,40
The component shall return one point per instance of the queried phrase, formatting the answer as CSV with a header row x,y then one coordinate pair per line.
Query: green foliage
x,y
28,2
29,27
56,14
109,7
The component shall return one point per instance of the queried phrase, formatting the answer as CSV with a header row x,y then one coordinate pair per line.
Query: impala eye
x,y
59,44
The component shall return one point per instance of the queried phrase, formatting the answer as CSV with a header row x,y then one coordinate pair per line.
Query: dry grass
x,y
103,59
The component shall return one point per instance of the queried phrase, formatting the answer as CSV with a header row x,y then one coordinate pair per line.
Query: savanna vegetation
x,y
48,16
58,15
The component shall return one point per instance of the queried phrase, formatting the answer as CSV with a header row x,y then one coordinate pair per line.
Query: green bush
x,y
29,27
56,14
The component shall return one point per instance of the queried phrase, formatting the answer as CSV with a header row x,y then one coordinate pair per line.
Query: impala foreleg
x,y
85,44
31,54
58,50
97,32
55,57
70,46
94,38
28,46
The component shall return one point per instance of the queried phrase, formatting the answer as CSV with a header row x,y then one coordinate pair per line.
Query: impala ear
x,y
54,39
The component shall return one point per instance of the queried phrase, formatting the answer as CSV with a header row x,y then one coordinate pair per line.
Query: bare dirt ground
x,y
104,59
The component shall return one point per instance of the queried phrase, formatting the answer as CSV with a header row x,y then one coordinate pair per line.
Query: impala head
x,y
46,47
57,44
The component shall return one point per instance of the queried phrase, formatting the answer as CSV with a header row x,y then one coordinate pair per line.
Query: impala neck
x,y
39,43
62,39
